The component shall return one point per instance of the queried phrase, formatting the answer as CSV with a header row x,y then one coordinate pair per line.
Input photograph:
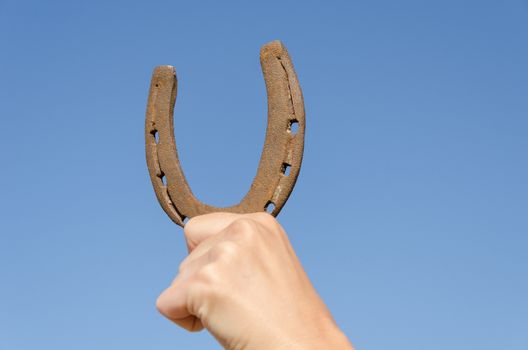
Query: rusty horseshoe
x,y
281,157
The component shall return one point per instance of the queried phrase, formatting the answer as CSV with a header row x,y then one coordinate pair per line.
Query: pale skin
x,y
243,282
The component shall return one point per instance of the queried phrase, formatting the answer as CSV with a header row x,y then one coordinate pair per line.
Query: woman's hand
x,y
243,282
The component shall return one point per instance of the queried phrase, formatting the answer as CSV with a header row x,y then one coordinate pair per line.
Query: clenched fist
x,y
243,282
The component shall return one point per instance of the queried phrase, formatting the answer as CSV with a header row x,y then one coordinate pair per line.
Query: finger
x,y
173,303
227,222
202,227
190,323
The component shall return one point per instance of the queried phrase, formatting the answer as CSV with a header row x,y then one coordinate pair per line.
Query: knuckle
x,y
225,250
208,275
199,289
182,267
244,229
269,222
265,218
184,264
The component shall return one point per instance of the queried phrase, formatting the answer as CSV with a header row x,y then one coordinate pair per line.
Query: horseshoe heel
x,y
281,157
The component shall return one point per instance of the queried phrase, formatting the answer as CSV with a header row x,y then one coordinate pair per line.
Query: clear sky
x,y
410,213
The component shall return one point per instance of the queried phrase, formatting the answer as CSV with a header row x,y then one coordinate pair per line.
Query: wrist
x,y
326,335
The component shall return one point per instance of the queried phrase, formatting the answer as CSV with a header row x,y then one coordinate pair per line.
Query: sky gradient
x,y
410,212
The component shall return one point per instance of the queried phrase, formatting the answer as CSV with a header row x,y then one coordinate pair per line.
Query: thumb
x,y
202,227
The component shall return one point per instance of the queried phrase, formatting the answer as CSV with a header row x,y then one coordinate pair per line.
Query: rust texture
x,y
281,157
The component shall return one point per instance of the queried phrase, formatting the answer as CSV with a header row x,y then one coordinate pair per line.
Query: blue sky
x,y
410,213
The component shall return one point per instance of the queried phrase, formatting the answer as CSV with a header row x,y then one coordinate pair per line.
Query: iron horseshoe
x,y
283,146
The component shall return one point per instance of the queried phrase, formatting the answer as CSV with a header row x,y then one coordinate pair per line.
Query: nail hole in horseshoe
x,y
285,169
155,134
163,178
270,206
293,126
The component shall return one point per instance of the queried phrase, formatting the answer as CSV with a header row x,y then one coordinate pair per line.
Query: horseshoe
x,y
281,157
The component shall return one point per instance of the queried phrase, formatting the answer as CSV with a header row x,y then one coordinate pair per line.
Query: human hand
x,y
243,282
